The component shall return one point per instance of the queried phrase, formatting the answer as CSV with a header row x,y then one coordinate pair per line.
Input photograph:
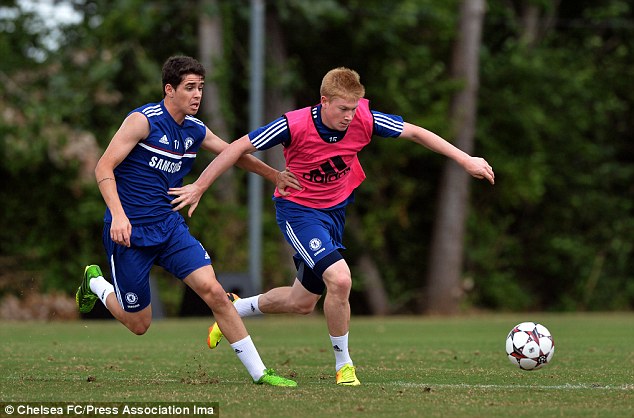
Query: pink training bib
x,y
328,171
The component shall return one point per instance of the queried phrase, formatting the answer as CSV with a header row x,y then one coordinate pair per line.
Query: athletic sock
x,y
340,348
248,355
248,306
102,288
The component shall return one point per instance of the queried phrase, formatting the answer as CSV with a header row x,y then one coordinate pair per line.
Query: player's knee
x,y
304,307
139,330
139,327
137,322
339,285
216,298
211,290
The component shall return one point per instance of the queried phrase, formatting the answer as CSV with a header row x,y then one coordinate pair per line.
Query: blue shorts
x,y
316,235
167,243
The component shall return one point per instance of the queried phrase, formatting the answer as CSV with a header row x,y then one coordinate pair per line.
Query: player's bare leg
x,y
137,322
94,287
338,282
203,281
337,305
285,299
288,299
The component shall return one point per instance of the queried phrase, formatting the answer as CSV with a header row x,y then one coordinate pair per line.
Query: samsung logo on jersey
x,y
165,165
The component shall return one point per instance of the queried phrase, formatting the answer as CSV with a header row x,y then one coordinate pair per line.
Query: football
x,y
530,346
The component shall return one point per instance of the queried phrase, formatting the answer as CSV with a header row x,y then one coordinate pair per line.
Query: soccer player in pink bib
x,y
321,144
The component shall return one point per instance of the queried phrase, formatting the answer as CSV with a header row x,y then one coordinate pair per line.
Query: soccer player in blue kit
x,y
152,151
321,144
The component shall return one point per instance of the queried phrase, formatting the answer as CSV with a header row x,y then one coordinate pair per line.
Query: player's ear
x,y
169,90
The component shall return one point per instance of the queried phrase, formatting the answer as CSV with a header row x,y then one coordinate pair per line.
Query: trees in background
x,y
556,112
444,290
554,119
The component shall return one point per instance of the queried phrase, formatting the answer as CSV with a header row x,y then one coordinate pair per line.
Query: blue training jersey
x,y
277,132
157,163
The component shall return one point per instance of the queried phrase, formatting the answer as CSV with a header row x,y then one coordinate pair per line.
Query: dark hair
x,y
175,68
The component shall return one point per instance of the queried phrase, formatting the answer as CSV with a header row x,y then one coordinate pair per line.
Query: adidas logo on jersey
x,y
329,171
164,140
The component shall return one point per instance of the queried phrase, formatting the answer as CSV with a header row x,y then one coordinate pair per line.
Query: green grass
x,y
408,366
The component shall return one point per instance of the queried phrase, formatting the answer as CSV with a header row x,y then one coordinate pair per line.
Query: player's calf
x,y
214,335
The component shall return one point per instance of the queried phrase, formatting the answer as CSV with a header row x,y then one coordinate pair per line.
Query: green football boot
x,y
270,378
85,297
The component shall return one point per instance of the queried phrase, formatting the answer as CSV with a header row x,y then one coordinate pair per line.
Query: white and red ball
x,y
530,346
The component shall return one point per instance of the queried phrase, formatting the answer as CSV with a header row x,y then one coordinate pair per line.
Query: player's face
x,y
189,93
337,113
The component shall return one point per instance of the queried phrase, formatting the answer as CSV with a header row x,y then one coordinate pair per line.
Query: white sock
x,y
340,348
248,355
248,306
101,287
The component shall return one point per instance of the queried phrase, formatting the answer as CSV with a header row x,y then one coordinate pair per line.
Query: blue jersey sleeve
x,y
386,125
270,135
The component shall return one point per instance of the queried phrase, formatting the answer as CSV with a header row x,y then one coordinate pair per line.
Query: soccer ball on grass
x,y
530,346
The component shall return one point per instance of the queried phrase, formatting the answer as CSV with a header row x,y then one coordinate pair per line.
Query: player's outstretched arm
x,y
475,166
281,179
228,155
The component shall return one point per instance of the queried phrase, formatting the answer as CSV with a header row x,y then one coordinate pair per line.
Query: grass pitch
x,y
408,366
